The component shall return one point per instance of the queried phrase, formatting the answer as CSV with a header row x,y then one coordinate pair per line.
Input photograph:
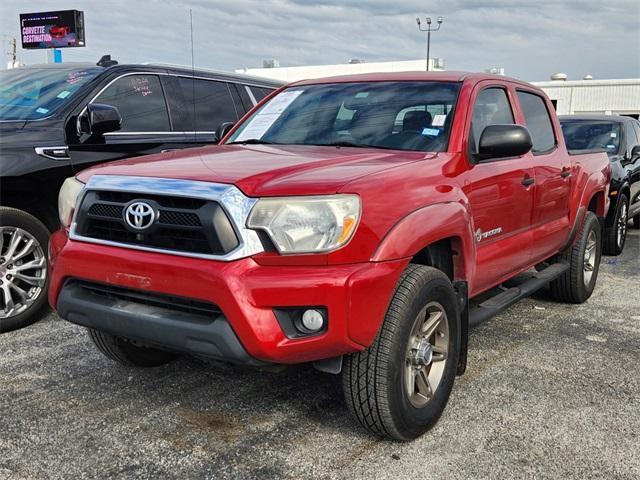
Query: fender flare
x,y
428,225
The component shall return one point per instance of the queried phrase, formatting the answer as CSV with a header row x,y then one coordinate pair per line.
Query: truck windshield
x,y
591,135
397,115
34,93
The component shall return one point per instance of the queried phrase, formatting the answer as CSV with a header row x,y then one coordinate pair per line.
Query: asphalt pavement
x,y
552,391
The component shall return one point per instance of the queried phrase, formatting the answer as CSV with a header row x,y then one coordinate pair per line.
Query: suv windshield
x,y
591,135
397,115
34,93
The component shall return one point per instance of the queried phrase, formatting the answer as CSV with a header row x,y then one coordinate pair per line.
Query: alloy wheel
x,y
23,271
590,257
426,354
622,225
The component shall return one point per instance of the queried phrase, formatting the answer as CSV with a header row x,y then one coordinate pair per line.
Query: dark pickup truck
x,y
58,119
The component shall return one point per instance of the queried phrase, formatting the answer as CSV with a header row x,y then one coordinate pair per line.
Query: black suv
x,y
58,119
620,137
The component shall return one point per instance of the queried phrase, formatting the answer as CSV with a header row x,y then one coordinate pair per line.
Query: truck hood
x,y
264,170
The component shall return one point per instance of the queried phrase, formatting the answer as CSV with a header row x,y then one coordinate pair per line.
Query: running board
x,y
505,299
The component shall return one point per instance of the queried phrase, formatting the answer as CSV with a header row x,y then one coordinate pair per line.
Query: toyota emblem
x,y
140,215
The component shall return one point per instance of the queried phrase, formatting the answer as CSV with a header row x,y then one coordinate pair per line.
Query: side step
x,y
505,299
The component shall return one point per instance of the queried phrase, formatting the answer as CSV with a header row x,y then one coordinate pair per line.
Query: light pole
x,y
429,29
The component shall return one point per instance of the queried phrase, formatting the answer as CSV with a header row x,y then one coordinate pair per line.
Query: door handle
x,y
528,181
566,172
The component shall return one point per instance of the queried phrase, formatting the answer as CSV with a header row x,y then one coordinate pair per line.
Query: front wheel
x,y
23,269
577,284
400,385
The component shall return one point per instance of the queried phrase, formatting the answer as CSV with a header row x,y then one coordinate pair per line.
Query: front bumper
x,y
356,297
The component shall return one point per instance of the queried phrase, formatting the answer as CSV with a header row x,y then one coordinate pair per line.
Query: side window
x,y
259,93
212,103
636,127
491,108
141,103
538,121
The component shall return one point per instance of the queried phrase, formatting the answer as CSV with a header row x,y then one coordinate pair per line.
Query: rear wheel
x,y
400,385
615,236
23,269
577,284
126,353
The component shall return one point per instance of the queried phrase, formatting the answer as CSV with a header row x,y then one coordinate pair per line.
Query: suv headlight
x,y
307,224
67,199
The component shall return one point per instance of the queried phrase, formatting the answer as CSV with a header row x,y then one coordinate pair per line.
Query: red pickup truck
x,y
361,223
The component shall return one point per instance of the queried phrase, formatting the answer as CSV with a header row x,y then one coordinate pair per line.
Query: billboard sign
x,y
61,29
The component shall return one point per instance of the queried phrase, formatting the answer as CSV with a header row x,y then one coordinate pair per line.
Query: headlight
x,y
67,198
307,224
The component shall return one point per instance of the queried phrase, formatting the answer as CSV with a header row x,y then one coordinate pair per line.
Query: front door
x,y
501,197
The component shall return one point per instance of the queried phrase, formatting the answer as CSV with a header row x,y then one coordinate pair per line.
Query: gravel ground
x,y
552,391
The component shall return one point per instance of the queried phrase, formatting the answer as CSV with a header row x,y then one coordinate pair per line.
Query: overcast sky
x,y
529,38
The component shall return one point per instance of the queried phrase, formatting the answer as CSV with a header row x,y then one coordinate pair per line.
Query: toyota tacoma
x,y
361,223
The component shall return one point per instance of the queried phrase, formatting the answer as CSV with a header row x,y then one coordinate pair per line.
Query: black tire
x,y
11,217
611,245
374,379
570,287
127,353
636,222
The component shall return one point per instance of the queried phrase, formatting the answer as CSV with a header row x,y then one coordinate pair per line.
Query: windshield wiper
x,y
252,141
346,143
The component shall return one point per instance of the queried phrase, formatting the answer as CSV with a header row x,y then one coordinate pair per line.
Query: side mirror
x,y
635,152
102,119
223,129
501,141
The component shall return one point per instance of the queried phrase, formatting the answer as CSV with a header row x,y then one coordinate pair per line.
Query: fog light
x,y
312,320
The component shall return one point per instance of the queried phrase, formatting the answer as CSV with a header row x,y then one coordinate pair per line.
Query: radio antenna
x,y
193,79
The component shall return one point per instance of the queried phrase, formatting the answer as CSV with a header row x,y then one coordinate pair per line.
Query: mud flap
x,y
462,293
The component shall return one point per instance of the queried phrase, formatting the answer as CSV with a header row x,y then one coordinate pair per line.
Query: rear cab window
x,y
538,121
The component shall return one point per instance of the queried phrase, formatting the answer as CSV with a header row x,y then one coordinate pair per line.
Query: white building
x,y
609,97
292,74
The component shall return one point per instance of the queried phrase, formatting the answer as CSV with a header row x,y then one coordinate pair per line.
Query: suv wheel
x,y
636,222
126,353
576,284
400,385
23,269
616,235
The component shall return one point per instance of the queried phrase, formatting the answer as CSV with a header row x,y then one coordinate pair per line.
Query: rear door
x,y
500,193
198,106
552,173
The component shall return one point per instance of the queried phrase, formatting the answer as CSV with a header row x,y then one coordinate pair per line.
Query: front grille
x,y
189,225
169,302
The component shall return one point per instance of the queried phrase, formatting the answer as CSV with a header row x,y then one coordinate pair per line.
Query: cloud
x,y
530,38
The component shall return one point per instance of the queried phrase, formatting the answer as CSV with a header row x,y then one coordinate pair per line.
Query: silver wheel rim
x,y
426,354
590,254
622,225
23,271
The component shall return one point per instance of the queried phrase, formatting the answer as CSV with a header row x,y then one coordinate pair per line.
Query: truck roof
x,y
447,76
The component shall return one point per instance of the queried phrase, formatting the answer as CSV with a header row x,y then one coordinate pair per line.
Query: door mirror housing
x,y
502,141
101,119
223,129
635,152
